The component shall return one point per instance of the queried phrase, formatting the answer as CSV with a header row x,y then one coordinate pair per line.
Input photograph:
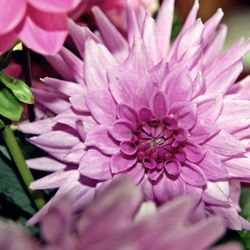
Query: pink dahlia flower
x,y
40,24
168,228
170,116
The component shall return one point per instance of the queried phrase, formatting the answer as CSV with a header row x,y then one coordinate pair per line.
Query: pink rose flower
x,y
170,116
40,24
109,223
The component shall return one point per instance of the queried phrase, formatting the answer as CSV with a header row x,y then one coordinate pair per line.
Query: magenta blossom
x,y
168,228
40,24
170,116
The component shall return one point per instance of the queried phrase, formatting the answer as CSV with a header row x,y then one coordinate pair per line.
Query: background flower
x,y
40,24
167,115
168,228
114,9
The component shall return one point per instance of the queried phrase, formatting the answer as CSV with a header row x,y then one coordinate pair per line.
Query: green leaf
x,y
10,107
20,89
11,187
245,212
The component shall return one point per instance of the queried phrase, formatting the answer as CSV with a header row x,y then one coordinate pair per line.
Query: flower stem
x,y
20,163
28,79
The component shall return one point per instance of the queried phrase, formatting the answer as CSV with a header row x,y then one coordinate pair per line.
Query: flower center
x,y
160,142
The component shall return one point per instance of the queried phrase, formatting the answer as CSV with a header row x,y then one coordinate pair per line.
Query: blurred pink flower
x,y
40,24
108,223
114,9
168,115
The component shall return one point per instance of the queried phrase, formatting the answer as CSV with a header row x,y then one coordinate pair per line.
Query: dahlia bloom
x,y
114,9
170,116
40,24
168,228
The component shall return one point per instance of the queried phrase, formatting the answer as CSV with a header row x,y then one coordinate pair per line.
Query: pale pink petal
x,y
216,45
211,24
99,137
111,36
209,106
60,66
80,35
203,130
225,144
75,154
127,113
52,101
37,127
217,193
75,65
164,24
50,181
95,165
78,102
194,152
193,175
167,189
185,113
235,115
120,163
159,105
222,82
101,105
132,25
65,87
238,167
190,38
45,164
178,85
121,130
213,168
96,55
150,39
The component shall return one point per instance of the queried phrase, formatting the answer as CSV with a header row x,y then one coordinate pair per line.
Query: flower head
x,y
39,24
167,115
168,228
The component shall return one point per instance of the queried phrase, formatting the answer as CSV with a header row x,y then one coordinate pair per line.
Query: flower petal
x,y
185,113
120,163
121,130
213,168
101,105
42,32
54,6
164,24
45,164
51,181
167,188
178,85
193,175
238,167
111,36
99,137
225,144
159,105
11,14
194,152
7,41
95,165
